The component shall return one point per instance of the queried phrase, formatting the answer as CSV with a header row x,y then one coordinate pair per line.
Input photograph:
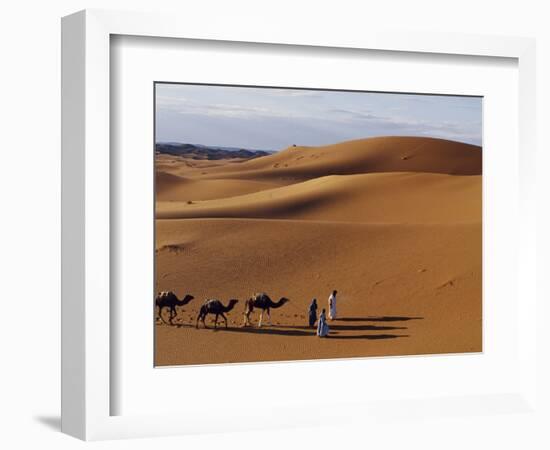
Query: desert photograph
x,y
305,224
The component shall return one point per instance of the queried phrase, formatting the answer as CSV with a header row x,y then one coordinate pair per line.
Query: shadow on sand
x,y
367,336
335,328
377,319
305,331
271,330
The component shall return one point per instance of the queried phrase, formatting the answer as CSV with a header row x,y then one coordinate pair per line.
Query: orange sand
x,y
393,223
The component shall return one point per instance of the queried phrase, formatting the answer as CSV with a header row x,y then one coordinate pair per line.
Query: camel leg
x,y
269,316
261,317
224,318
160,315
157,313
216,322
171,316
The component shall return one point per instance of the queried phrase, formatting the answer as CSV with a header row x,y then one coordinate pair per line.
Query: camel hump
x,y
212,302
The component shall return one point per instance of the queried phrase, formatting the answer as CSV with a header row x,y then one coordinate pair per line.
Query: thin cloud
x,y
269,118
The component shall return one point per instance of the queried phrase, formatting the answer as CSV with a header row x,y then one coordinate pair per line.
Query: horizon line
x,y
323,145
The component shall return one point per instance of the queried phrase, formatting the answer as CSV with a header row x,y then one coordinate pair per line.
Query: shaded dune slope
x,y
380,197
171,187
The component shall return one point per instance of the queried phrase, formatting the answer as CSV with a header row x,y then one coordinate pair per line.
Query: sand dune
x,y
380,197
393,223
384,154
428,272
172,187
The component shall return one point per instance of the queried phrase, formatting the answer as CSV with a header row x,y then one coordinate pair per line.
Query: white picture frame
x,y
86,247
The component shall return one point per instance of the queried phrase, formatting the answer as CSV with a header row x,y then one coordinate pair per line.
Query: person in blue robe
x,y
322,326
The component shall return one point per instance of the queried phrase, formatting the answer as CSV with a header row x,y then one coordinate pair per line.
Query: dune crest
x,y
381,154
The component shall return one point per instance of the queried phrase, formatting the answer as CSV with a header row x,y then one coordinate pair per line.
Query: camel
x,y
263,302
170,300
214,306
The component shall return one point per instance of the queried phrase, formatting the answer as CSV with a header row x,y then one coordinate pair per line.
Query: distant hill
x,y
196,151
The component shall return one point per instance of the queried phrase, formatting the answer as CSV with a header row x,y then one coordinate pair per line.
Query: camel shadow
x,y
368,336
378,319
335,328
185,325
273,331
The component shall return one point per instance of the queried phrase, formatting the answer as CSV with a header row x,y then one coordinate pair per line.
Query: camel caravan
x,y
261,301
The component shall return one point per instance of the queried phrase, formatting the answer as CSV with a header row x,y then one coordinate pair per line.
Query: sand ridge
x,y
382,154
384,197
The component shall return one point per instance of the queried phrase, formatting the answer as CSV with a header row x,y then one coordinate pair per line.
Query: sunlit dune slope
x,y
378,197
382,154
428,272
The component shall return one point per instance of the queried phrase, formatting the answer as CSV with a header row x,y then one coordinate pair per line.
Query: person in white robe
x,y
322,326
332,305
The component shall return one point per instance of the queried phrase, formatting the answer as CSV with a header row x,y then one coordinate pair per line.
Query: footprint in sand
x,y
449,283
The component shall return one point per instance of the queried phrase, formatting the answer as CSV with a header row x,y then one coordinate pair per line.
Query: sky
x,y
273,119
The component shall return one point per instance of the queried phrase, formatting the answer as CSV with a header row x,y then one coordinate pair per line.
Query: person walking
x,y
322,326
312,313
332,305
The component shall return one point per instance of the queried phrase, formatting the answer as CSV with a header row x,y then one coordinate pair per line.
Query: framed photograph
x,y
262,217
359,240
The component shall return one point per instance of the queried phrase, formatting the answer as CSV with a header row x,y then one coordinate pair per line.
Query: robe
x,y
322,327
332,307
312,314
